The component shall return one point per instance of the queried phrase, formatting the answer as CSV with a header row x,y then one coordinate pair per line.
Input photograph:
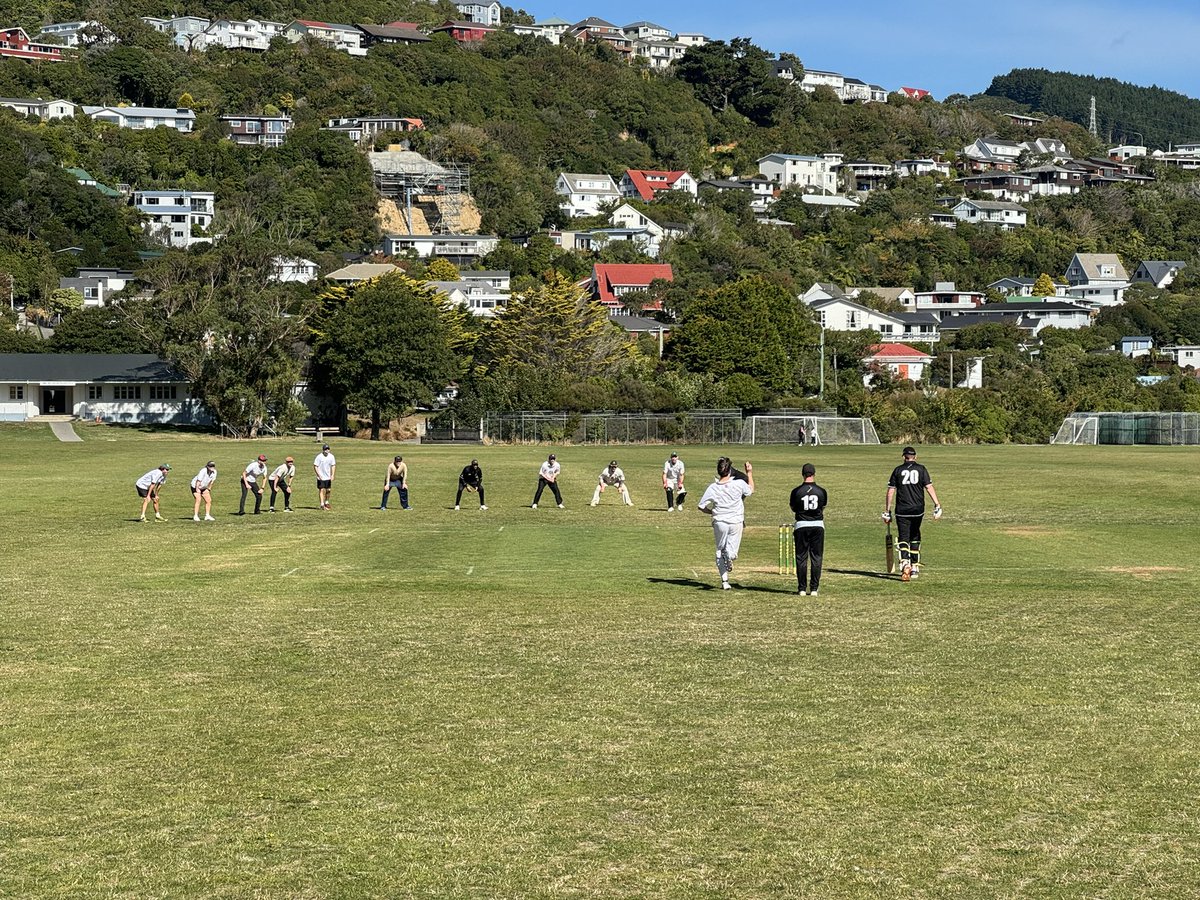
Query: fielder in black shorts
x,y
908,485
808,506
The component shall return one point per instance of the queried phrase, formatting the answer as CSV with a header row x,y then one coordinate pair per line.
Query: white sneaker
x,y
593,503
916,572
812,593
482,507
195,518
158,518
456,508
726,586
209,519
560,506
802,593
142,519
534,506
670,509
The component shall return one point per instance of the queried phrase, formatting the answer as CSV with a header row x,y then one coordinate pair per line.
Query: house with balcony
x,y
344,38
46,110
1031,316
647,31
911,168
460,249
863,175
1053,180
647,184
89,33
236,34
364,129
15,44
595,29
946,299
993,213
257,131
584,194
992,152
610,282
177,218
480,13
143,118
812,174
294,270
759,187
815,78
659,54
1158,272
551,29
481,293
465,33
1001,185
1097,279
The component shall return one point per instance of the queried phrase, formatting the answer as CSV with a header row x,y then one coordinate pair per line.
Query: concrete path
x,y
64,432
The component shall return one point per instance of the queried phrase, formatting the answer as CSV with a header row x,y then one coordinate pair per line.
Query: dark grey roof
x,y
965,320
84,367
920,318
1031,306
640,324
1157,269
391,32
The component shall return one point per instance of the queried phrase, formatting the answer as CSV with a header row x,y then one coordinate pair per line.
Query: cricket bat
x,y
889,551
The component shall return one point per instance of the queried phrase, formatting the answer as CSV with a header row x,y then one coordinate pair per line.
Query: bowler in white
x,y
724,500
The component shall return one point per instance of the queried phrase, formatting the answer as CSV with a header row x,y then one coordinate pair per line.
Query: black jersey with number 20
x,y
909,479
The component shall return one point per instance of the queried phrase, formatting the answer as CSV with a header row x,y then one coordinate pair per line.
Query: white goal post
x,y
815,430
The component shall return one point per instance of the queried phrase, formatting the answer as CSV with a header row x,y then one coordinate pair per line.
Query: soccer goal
x,y
808,430
1159,428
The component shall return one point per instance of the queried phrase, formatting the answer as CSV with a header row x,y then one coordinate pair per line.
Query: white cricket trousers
x,y
728,537
621,489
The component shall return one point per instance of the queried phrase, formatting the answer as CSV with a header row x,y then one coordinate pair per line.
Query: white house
x,y
461,249
77,34
361,129
659,54
141,118
482,293
345,38
1098,279
910,168
811,173
1038,314
115,387
480,13
238,34
815,78
177,218
1125,152
43,109
691,39
1158,272
1135,345
294,269
1185,355
997,213
901,360
946,299
647,31
993,151
583,194
902,295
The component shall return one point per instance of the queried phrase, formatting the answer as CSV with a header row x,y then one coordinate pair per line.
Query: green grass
x,y
556,703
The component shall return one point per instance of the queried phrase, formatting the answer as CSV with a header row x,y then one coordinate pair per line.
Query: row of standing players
x,y
723,500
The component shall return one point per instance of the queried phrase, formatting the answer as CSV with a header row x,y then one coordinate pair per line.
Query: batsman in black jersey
x,y
808,506
908,485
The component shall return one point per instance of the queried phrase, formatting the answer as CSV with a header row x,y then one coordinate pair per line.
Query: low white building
x,y
481,293
239,34
583,194
1000,214
911,168
97,285
177,218
43,109
816,174
114,387
461,249
294,269
142,118
1185,355
344,38
77,34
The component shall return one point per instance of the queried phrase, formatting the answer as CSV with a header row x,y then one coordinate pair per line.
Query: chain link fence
x,y
1162,428
697,426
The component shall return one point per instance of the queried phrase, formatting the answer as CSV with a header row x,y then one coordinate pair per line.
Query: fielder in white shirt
x,y
673,482
281,482
612,476
202,490
325,466
256,470
724,500
148,487
548,477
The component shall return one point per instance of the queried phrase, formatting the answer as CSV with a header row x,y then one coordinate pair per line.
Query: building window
x,y
127,392
162,392
95,392
16,392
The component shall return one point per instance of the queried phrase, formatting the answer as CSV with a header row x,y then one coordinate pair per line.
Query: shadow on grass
x,y
863,574
705,586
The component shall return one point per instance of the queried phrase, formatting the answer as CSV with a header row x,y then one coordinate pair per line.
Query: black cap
x,y
210,465
324,446
613,463
552,456
398,459
674,456
909,451
474,462
808,470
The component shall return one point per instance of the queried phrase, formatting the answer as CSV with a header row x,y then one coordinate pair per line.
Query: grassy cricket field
x,y
557,703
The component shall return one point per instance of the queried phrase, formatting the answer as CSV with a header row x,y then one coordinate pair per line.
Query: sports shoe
x,y
560,506
534,506
802,593
195,518
906,572
726,586
287,509
916,572
812,593
142,519
670,509
158,518
456,508
209,519
482,507
272,509
593,503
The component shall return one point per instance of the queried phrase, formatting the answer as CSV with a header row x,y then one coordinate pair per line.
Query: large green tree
x,y
386,349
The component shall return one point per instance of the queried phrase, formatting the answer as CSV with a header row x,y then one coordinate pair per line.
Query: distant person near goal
x,y
908,485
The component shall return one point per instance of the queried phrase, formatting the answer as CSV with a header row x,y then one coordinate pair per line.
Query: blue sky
x,y
945,48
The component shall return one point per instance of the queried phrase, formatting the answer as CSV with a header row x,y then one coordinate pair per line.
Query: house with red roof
x,y
914,93
612,281
15,43
649,183
901,360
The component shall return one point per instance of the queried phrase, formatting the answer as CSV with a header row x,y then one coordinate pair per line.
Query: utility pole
x,y
821,390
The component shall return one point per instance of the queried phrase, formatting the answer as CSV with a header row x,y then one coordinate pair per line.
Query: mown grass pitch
x,y
555,703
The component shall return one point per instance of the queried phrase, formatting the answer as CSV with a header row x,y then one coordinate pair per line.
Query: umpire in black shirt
x,y
808,506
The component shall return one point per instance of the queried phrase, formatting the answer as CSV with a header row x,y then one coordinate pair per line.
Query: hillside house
x,y
356,273
257,131
480,13
294,269
1053,180
863,175
77,34
46,110
911,168
15,44
612,281
460,249
946,299
900,360
1158,272
363,129
648,183
995,213
177,218
1001,185
585,194
343,38
238,34
1135,345
815,174
393,33
992,152
1098,279
142,118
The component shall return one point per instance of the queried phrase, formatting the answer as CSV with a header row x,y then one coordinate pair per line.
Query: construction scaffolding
x,y
414,182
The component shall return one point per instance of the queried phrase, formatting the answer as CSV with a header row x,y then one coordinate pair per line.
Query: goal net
x,y
809,430
1162,428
